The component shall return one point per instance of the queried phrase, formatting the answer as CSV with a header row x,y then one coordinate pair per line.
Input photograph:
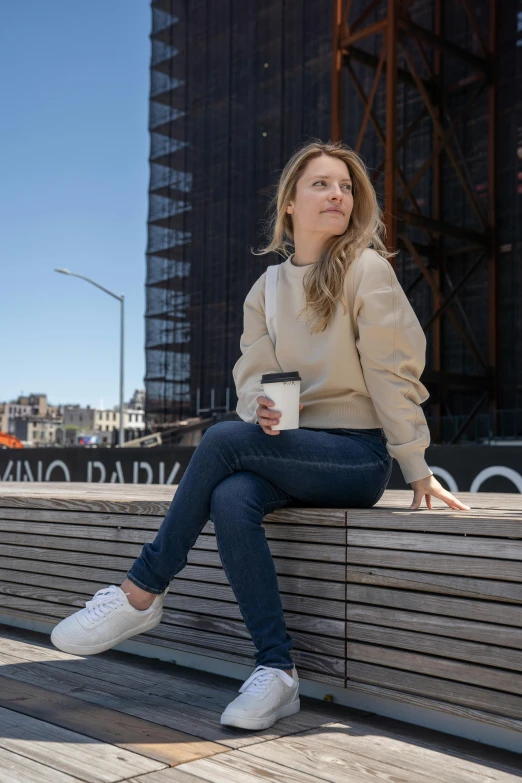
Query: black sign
x,y
469,468
161,465
458,468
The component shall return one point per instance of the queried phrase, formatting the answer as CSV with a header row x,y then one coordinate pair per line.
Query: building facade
x,y
235,88
36,430
32,408
102,423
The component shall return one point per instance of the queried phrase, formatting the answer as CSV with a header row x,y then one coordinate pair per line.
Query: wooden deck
x,y
416,615
118,717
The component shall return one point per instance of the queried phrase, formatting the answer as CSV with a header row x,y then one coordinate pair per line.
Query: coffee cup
x,y
284,389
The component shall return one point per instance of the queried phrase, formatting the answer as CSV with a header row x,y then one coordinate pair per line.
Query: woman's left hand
x,y
430,486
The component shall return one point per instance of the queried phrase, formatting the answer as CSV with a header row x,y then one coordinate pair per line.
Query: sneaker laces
x,y
105,599
262,676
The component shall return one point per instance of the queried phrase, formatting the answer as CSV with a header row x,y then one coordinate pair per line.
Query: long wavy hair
x,y
324,281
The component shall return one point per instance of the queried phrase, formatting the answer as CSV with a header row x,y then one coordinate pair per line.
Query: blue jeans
x,y
236,475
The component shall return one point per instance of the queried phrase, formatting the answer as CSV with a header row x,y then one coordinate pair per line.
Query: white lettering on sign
x,y
117,475
135,471
98,466
57,463
172,476
496,470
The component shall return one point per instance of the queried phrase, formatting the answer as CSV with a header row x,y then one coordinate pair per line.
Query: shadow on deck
x,y
118,717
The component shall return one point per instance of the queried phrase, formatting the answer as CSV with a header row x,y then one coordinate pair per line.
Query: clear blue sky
x,y
73,193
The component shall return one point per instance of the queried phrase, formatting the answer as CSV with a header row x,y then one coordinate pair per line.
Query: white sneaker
x,y
107,620
268,695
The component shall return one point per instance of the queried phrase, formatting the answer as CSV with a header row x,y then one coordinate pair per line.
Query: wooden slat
x,y
306,515
318,653
483,611
173,775
133,672
324,553
161,744
484,654
19,769
477,522
327,664
334,572
120,496
453,627
204,614
66,592
305,663
474,696
331,592
69,752
92,518
463,586
299,533
180,591
436,666
427,542
351,748
484,567
439,705
399,498
298,516
240,768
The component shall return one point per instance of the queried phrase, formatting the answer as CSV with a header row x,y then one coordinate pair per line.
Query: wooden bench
x,y
417,610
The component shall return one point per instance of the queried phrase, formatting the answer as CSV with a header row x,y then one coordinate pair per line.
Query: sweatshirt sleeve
x,y
258,355
392,350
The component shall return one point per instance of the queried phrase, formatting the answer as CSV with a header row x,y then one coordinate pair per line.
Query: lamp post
x,y
121,300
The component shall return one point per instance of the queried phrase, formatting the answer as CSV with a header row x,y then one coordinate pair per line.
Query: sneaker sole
x,y
242,722
79,649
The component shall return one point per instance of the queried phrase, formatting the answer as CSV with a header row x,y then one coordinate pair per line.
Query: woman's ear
x,y
289,209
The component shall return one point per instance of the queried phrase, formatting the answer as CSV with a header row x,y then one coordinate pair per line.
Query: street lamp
x,y
121,300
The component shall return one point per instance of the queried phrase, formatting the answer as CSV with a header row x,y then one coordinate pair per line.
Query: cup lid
x,y
277,377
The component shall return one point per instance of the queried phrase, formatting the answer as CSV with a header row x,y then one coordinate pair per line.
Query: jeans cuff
x,y
145,587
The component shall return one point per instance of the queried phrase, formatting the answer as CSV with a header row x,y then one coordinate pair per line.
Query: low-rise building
x,y
36,430
26,406
4,419
101,422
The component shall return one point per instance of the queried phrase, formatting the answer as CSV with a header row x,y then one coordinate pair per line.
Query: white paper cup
x,y
284,388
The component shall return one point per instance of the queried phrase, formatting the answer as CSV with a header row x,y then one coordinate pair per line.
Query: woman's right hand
x,y
267,417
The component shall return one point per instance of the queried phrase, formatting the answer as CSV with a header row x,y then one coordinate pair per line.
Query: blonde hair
x,y
324,284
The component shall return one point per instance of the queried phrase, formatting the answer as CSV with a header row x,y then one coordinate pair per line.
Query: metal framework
x,y
420,90
426,79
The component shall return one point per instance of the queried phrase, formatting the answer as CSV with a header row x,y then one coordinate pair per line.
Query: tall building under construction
x,y
428,95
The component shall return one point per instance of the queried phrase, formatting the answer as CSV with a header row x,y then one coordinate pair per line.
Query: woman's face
x,y
323,200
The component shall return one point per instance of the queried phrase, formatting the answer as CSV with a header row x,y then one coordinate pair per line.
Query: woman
x,y
360,363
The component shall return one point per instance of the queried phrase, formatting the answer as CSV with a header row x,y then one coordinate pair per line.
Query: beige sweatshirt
x,y
363,371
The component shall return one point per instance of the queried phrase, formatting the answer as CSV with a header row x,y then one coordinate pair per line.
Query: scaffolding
x,y
427,98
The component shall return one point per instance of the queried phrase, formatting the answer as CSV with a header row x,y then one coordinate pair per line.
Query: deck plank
x,y
19,769
166,776
341,744
165,710
360,754
124,731
239,767
67,751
